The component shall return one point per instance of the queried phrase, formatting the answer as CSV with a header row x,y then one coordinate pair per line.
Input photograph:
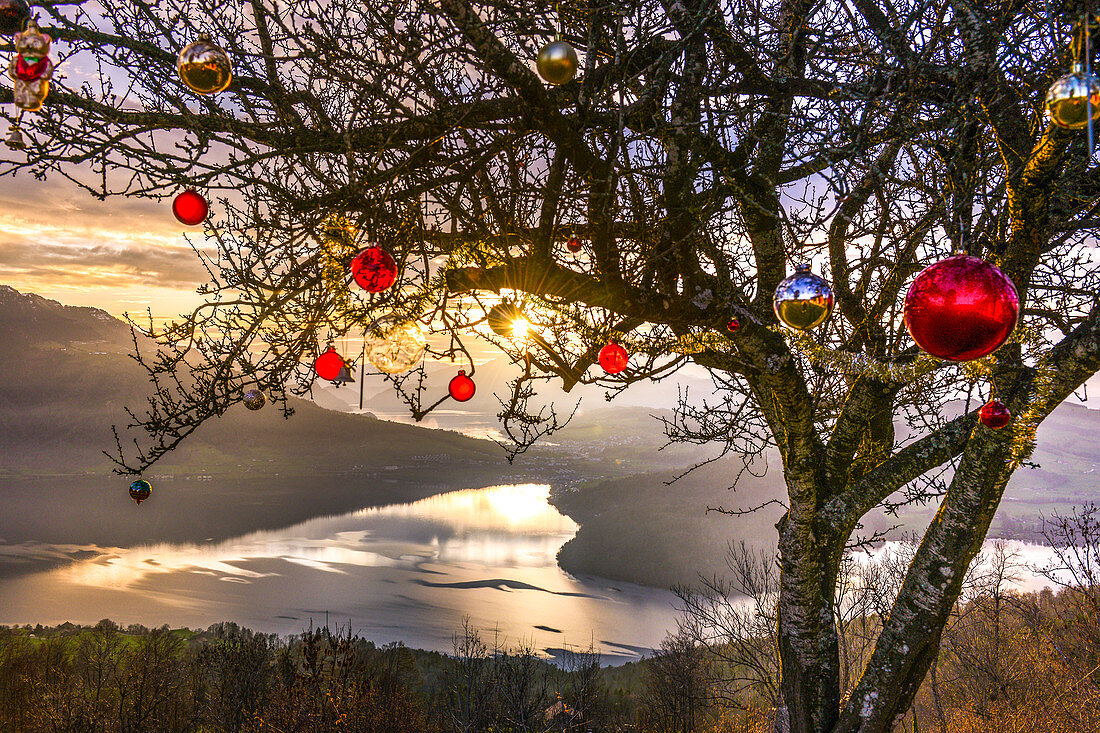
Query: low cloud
x,y
99,265
52,236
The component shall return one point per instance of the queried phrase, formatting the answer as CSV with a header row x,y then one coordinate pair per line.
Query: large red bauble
x,y
190,208
374,269
573,244
613,358
994,415
461,387
961,308
328,364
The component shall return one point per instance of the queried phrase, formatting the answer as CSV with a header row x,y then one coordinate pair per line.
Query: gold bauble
x,y
1069,99
395,346
557,62
204,67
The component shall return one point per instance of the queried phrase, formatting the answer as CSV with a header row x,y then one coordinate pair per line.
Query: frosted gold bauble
x,y
395,346
557,62
804,300
1069,99
204,67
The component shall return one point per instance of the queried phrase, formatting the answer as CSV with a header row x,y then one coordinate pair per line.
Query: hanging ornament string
x,y
1088,75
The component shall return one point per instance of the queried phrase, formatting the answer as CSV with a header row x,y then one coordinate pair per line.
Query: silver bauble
x,y
254,399
204,66
1069,99
557,62
804,300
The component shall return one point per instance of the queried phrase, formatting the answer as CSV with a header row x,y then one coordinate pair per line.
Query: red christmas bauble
x,y
574,245
461,387
374,269
613,358
994,415
733,325
328,364
190,208
961,308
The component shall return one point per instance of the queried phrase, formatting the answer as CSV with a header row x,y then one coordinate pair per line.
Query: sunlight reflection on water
x,y
406,572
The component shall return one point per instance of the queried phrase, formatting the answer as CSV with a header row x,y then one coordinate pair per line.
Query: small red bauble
x,y
961,308
733,325
462,387
374,269
328,364
574,245
994,415
190,208
613,358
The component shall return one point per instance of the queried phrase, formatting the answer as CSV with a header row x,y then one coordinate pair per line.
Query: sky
x,y
124,255
121,255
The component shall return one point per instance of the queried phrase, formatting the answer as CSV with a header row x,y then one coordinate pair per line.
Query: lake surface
x,y
405,572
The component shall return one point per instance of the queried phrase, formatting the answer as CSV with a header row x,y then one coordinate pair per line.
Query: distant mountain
x,y
644,530
26,318
65,378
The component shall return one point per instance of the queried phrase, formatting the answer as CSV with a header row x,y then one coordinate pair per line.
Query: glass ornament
x,y
140,490
557,61
190,208
733,325
613,358
328,364
502,318
994,415
395,346
13,15
204,66
1069,99
961,308
462,388
254,399
374,269
574,245
804,300
31,69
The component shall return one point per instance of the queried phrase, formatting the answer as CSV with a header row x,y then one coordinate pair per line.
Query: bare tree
x,y
706,146
468,693
676,683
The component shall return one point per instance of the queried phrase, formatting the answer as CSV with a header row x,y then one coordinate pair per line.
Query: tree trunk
x,y
809,650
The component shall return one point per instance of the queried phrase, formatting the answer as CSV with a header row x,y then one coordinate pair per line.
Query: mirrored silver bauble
x,y
1070,97
204,67
557,62
804,300
254,399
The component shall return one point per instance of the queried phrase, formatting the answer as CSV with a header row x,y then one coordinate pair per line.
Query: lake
x,y
404,572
